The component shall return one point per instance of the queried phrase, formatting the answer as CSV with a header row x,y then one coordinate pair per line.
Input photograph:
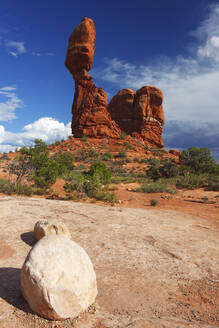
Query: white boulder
x,y
57,278
50,226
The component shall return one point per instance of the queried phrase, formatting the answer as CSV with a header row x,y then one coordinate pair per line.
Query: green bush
x,y
93,183
123,135
122,154
92,153
107,156
23,190
155,187
100,169
83,138
162,168
65,162
213,183
154,202
127,145
198,160
191,181
154,171
81,155
6,187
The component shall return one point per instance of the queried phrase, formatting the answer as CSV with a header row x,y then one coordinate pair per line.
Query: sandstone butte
x,y
138,114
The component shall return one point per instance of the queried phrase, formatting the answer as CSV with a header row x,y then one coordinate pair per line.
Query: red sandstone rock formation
x,y
140,114
90,114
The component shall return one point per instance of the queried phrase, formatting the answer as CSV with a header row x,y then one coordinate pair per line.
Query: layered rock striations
x,y
90,115
139,114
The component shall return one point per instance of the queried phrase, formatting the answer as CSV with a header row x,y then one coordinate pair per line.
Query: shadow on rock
x,y
28,238
10,288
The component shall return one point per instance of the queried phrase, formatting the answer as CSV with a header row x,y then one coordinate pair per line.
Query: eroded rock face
x,y
46,227
90,114
122,111
57,278
140,114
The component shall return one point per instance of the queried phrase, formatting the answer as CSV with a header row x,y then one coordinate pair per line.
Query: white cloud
x,y
10,104
12,53
39,54
208,34
46,128
17,46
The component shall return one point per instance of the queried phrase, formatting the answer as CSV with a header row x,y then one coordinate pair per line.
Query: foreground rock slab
x,y
155,268
57,278
46,227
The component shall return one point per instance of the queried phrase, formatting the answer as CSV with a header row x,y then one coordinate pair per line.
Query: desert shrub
x,y
198,160
9,188
156,187
65,162
100,169
4,156
169,169
213,183
81,155
191,181
6,187
23,190
162,168
154,171
127,145
123,135
122,154
216,170
45,170
75,181
93,153
80,167
107,156
39,191
93,183
154,202
83,138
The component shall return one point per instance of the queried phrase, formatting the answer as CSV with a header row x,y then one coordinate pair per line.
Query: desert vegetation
x,y
90,172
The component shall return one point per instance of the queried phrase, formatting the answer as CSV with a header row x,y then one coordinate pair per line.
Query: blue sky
x,y
171,44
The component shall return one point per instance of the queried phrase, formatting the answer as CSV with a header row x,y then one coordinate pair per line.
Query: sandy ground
x,y
155,267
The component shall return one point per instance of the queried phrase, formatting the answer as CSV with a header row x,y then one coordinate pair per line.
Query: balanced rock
x,y
81,44
50,226
140,114
57,278
89,110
